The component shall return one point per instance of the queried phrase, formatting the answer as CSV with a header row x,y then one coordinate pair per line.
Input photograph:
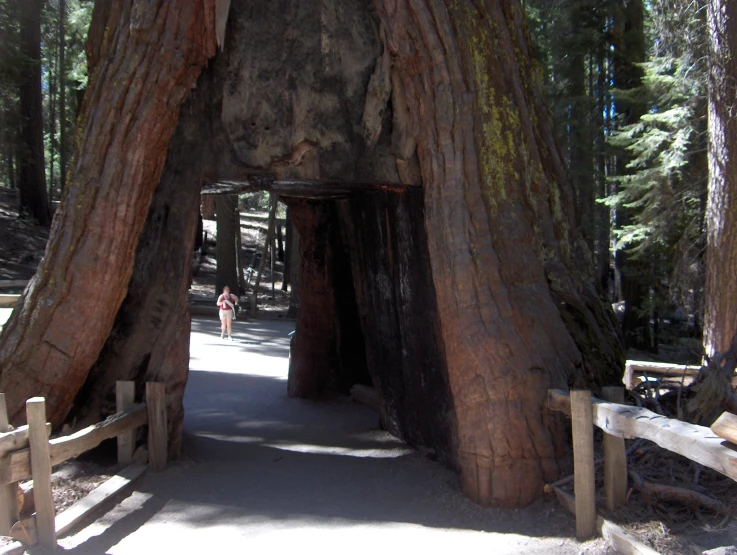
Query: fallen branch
x,y
678,495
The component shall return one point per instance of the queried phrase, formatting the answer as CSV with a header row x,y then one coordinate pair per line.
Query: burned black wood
x,y
295,188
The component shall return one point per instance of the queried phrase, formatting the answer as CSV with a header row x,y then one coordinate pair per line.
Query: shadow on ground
x,y
262,468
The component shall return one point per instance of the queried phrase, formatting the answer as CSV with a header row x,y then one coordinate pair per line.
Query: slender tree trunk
x,y
581,138
295,263
287,253
629,52
262,264
239,248
518,309
33,195
720,314
53,88
227,259
144,59
62,96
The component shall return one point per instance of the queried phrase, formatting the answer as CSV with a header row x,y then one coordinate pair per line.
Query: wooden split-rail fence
x,y
619,422
27,452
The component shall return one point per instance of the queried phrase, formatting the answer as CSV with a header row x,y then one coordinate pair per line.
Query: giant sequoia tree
x,y
462,323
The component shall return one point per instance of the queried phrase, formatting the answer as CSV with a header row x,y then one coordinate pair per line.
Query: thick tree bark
x,y
208,207
145,57
32,182
720,315
518,310
227,259
314,358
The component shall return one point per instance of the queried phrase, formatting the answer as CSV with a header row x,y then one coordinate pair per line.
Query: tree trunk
x,y
33,195
145,58
287,258
208,207
314,358
720,314
295,263
62,96
227,261
630,51
150,338
518,309
262,263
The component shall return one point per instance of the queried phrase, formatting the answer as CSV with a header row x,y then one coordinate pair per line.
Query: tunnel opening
x,y
367,313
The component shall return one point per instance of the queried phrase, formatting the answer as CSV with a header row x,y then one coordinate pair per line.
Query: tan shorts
x,y
226,314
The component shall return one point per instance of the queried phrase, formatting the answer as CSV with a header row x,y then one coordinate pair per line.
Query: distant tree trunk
x,y
581,140
239,249
53,80
279,243
602,212
33,195
720,314
227,261
295,263
287,252
630,51
518,309
62,96
152,51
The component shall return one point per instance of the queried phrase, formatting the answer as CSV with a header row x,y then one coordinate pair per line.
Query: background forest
x,y
626,83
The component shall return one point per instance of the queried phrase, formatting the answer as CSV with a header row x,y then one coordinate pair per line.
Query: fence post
x,y
8,497
615,457
124,398
38,440
583,463
157,432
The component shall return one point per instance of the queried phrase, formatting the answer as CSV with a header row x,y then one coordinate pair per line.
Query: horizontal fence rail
x,y
28,452
619,422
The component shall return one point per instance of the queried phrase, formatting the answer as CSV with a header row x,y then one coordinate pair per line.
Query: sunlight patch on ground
x,y
228,358
342,451
230,438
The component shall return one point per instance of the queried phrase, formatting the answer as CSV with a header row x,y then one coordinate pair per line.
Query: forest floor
x,y
250,434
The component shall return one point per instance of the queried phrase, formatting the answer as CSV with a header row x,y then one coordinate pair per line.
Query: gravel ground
x,y
268,474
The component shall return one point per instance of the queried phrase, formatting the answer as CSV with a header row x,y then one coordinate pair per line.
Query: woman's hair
x,y
226,287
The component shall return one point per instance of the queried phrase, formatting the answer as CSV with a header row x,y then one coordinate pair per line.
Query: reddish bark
x,y
517,313
720,316
145,57
313,362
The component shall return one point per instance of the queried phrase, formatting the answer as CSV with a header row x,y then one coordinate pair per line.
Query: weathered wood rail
x,y
620,422
28,452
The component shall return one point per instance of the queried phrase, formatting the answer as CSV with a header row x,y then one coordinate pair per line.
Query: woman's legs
x,y
223,325
229,322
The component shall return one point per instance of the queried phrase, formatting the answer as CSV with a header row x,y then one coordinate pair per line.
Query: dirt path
x,y
268,474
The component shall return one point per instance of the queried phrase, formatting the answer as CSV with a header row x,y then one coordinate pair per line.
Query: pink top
x,y
232,298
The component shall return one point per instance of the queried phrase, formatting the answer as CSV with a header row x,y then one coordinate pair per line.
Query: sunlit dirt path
x,y
267,474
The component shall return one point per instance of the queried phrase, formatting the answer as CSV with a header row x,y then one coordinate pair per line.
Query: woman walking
x,y
227,304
